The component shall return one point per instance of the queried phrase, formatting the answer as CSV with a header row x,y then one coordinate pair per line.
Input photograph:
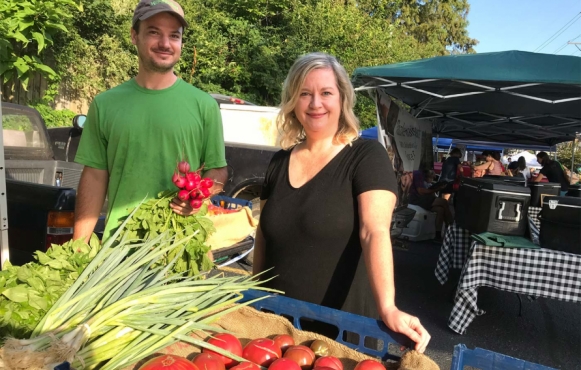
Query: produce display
x,y
29,291
125,306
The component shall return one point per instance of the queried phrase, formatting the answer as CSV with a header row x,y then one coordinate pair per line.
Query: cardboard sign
x,y
409,134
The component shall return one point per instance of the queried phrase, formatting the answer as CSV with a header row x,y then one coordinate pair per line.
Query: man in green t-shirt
x,y
136,132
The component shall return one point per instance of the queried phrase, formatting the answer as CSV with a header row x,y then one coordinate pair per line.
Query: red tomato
x,y
262,352
246,366
227,342
302,355
208,361
284,364
369,365
168,362
284,341
329,361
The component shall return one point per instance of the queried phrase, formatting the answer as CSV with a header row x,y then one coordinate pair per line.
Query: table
x,y
456,245
535,272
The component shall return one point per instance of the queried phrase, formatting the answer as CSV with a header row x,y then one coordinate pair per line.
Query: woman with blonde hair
x,y
327,203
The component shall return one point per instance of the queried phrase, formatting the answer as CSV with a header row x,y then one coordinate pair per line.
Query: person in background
x,y
522,170
425,197
327,203
451,169
497,165
136,132
489,167
512,166
553,171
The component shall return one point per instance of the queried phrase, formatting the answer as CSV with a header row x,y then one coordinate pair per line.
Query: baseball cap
x,y
149,8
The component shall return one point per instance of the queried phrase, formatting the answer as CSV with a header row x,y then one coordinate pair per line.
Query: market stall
x,y
518,99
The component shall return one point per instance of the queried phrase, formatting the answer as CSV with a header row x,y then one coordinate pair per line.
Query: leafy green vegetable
x,y
27,292
155,217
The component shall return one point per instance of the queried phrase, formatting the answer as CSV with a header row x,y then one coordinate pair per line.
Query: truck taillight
x,y
59,228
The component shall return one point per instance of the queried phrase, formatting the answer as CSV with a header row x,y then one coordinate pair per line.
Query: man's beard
x,y
151,65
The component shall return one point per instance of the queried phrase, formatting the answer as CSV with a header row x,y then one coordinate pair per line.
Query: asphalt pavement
x,y
548,332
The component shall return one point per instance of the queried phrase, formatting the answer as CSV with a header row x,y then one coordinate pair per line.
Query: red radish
x,y
183,167
261,351
369,365
228,342
284,341
195,203
168,362
246,366
284,364
205,192
328,361
190,185
302,355
207,182
196,195
208,361
179,181
194,176
183,195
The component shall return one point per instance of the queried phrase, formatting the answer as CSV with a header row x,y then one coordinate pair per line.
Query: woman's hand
x,y
182,208
408,325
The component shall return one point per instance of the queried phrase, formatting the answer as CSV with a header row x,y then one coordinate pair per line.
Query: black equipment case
x,y
513,180
539,190
484,205
561,224
574,191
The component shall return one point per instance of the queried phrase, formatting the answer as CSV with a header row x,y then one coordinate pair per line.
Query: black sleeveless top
x,y
312,232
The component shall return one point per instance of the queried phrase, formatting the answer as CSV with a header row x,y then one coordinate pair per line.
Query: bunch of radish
x,y
193,187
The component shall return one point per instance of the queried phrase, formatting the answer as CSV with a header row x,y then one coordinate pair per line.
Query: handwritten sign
x,y
409,133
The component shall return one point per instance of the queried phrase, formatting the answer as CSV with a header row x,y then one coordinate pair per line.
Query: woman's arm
x,y
375,212
484,166
259,248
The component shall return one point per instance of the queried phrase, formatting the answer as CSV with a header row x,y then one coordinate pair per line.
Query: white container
x,y
422,227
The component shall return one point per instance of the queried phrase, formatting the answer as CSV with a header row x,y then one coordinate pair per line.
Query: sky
x,y
526,25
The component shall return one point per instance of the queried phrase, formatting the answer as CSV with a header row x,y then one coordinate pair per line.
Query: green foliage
x,y
28,291
28,29
245,47
53,117
155,217
97,54
565,151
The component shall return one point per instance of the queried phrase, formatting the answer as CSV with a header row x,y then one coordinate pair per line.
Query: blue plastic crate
x,y
230,203
296,310
482,359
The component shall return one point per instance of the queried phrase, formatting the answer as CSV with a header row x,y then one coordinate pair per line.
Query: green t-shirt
x,y
139,135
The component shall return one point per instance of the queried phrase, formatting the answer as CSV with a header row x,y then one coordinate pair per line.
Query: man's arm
x,y
90,199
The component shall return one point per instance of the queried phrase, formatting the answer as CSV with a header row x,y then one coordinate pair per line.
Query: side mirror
x,y
79,121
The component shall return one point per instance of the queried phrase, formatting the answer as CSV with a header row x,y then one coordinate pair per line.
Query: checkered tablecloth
x,y
456,245
454,251
535,272
534,216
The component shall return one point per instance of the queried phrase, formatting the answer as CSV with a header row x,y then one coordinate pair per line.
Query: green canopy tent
x,y
508,97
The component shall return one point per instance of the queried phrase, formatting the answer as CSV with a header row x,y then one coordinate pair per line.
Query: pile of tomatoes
x,y
279,353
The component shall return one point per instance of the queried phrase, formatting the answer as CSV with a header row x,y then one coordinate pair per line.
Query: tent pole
x,y
573,155
436,148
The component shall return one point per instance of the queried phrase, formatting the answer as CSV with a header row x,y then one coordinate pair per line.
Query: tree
x,y
564,152
28,30
441,24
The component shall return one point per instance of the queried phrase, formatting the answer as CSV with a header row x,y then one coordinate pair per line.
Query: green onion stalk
x,y
126,306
